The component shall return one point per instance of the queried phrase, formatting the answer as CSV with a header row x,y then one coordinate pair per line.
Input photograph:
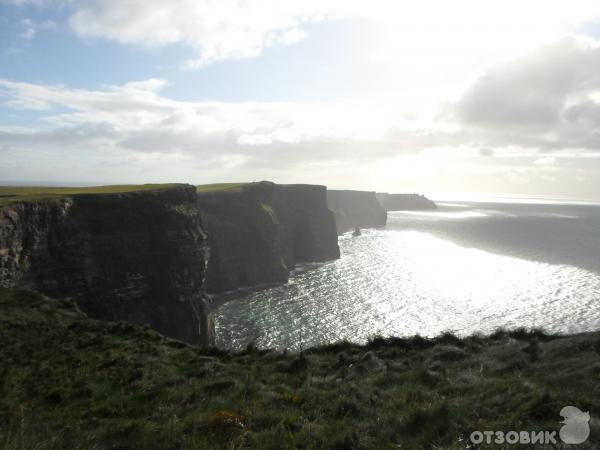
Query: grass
x,y
10,194
221,187
268,209
70,382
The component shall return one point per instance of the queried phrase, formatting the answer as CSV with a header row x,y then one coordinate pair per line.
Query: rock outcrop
x,y
355,209
404,202
259,231
138,256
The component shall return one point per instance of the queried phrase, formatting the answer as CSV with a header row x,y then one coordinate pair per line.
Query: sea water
x,y
467,267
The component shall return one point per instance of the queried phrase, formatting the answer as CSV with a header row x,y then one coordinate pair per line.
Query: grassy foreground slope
x,y
10,194
70,382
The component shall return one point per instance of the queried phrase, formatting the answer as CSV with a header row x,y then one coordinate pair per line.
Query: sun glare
x,y
431,50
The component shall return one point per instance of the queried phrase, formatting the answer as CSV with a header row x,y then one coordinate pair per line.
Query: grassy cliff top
x,y
70,382
10,194
230,187
216,187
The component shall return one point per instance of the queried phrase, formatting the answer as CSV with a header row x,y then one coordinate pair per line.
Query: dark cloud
x,y
533,90
541,101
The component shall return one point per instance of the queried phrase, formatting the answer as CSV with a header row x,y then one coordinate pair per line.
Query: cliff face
x,y
404,202
356,209
246,238
143,256
261,230
138,256
311,225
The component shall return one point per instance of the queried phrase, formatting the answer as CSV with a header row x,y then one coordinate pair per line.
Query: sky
x,y
462,97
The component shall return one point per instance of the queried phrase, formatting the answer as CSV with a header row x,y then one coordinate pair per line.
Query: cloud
x,y
29,29
225,29
545,161
22,2
532,90
254,139
547,99
215,29
134,119
134,133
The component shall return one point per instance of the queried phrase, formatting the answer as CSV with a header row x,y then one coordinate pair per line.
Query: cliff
x,y
141,254
355,209
259,231
71,382
137,256
404,202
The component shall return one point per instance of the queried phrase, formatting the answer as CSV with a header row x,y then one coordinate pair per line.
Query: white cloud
x,y
28,29
215,29
132,133
545,100
545,161
135,118
254,139
439,41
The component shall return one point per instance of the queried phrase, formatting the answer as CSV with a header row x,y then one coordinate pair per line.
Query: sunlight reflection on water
x,y
404,282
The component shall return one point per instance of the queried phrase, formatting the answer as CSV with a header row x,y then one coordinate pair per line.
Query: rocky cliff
x,y
135,256
404,202
355,209
259,231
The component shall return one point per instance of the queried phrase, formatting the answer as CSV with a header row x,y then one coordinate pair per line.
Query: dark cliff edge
x,y
259,231
355,209
404,202
135,256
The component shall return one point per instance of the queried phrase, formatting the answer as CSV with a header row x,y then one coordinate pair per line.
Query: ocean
x,y
468,267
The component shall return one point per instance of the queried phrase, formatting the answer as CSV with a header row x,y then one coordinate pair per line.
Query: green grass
x,y
10,194
268,209
70,382
236,187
